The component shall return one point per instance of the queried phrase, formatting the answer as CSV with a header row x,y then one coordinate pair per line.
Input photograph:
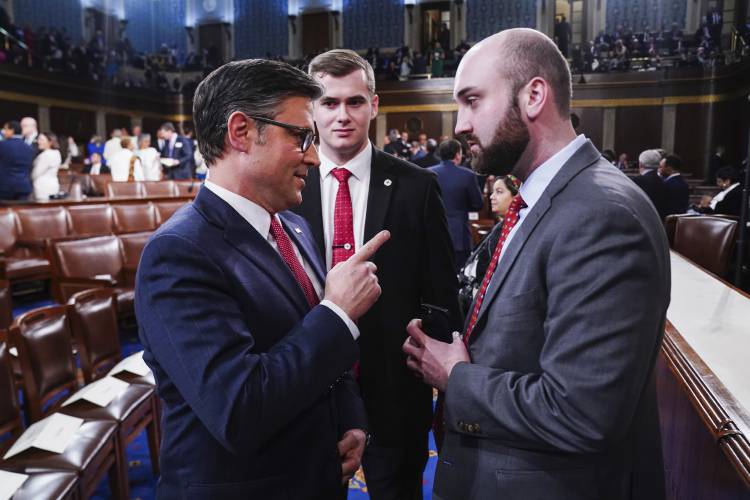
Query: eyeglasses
x,y
305,135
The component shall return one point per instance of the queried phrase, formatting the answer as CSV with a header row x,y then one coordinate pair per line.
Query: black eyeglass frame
x,y
306,140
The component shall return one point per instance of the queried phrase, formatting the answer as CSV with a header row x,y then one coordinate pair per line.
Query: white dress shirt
x,y
533,187
359,188
260,220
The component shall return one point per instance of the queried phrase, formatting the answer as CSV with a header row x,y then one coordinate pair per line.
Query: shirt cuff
x,y
344,317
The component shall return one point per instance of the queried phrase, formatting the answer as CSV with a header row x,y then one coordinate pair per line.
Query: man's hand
x,y
352,285
431,359
351,447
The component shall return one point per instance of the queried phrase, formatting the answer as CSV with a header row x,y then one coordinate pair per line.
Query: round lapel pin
x,y
387,182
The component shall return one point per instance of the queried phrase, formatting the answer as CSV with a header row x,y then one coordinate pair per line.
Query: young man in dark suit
x,y
677,190
461,195
250,358
16,159
177,153
358,191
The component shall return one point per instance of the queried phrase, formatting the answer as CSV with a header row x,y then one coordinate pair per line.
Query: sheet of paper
x,y
13,352
101,392
53,433
132,364
9,483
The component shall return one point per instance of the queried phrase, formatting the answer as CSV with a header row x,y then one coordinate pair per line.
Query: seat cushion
x,y
23,268
57,485
118,410
90,439
125,301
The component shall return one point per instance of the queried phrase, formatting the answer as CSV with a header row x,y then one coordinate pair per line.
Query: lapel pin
x,y
298,230
387,182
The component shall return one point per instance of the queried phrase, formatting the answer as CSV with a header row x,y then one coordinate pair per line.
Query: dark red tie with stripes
x,y
287,253
343,224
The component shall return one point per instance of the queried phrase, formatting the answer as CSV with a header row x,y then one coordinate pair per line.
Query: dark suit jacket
x,y
16,159
559,400
253,382
653,186
428,160
731,204
414,266
183,151
461,195
677,195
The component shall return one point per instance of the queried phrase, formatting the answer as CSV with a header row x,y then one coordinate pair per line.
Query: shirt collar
x,y
253,213
531,190
358,166
673,175
731,187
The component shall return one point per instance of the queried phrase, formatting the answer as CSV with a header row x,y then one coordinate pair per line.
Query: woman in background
x,y
46,165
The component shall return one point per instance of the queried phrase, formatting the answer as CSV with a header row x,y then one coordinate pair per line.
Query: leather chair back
x,y
187,187
134,218
165,209
670,225
8,231
706,240
91,220
93,318
132,245
45,351
37,224
125,189
87,258
160,189
6,308
10,411
99,183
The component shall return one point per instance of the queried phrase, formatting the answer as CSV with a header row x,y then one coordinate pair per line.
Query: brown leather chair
x,y
131,246
91,220
36,225
125,190
18,263
49,486
99,184
77,263
43,340
480,229
670,224
133,218
91,455
188,187
165,209
706,240
6,307
159,189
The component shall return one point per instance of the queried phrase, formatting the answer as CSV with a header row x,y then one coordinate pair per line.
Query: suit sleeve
x,y
602,327
196,331
351,408
185,153
439,281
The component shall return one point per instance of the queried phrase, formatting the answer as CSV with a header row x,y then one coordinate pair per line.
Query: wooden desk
x,y
703,385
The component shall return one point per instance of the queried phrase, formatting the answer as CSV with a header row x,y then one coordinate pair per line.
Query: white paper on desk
x,y
132,364
101,392
53,433
103,277
9,483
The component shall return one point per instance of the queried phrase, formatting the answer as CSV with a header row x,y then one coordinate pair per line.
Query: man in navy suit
x,y
251,366
677,190
178,153
461,195
16,158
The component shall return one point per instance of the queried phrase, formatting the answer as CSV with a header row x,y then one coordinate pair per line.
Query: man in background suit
x,y
554,398
30,133
16,159
251,366
677,190
461,195
176,154
358,191
431,158
650,182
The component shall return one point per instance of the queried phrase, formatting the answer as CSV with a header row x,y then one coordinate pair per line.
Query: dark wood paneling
x,y
78,123
150,126
10,110
590,124
114,120
315,32
690,137
431,123
637,128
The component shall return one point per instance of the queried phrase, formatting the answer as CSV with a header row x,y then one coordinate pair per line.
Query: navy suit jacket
x,y
183,151
678,195
254,382
461,195
16,158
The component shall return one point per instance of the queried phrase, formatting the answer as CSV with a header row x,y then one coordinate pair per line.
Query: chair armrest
x,y
93,282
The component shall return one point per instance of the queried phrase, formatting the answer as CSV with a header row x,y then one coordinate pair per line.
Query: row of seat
x,y
25,232
707,240
102,185
45,370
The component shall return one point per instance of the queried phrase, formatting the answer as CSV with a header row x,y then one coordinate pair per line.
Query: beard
x,y
509,143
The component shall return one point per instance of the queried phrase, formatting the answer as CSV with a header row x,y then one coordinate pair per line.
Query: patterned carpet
x,y
142,480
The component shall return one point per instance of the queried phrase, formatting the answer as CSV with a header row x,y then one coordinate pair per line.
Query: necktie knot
x,y
341,174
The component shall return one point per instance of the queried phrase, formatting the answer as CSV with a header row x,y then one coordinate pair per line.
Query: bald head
x,y
520,55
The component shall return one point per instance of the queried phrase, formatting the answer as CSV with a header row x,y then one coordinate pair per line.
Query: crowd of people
x,y
30,160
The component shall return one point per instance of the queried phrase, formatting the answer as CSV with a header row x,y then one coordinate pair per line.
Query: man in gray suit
x,y
554,398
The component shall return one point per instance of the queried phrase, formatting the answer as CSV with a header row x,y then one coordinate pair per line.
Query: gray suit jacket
x,y
559,399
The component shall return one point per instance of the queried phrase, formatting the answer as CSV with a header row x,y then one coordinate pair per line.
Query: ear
x,y
375,103
241,132
536,95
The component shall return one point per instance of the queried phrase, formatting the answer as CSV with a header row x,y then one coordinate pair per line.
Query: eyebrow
x,y
464,91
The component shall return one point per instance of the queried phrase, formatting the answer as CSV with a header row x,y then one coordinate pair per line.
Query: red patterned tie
x,y
343,224
287,253
511,218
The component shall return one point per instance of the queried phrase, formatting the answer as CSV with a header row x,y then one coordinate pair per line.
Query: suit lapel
x,y
382,184
581,159
312,210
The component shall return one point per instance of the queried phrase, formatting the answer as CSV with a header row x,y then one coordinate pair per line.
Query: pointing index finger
x,y
368,249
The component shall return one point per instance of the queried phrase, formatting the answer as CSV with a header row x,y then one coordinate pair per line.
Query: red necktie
x,y
511,218
343,224
287,253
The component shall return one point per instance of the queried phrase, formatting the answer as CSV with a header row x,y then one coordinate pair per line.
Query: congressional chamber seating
x,y
165,209
159,189
20,261
132,218
6,307
706,240
125,189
